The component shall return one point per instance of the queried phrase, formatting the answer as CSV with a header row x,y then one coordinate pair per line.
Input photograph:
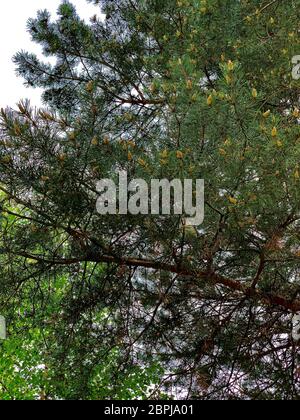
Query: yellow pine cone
x,y
233,200
230,65
254,93
297,174
189,84
164,154
142,162
90,86
296,113
131,143
228,79
209,100
106,140
6,159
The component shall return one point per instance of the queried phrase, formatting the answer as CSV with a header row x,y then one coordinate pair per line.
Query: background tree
x,y
186,89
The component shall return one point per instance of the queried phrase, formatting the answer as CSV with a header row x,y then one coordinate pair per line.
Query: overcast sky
x,y
13,36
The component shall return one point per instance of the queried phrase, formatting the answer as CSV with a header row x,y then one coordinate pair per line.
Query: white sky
x,y
13,37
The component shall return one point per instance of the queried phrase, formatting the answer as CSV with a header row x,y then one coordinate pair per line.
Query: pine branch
x,y
212,277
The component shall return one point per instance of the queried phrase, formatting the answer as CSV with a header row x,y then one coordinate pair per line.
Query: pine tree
x,y
199,89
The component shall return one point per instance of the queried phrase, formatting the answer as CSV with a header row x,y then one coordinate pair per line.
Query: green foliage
x,y
161,89
22,375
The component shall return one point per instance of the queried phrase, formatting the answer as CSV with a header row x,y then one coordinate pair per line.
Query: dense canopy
x,y
109,307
